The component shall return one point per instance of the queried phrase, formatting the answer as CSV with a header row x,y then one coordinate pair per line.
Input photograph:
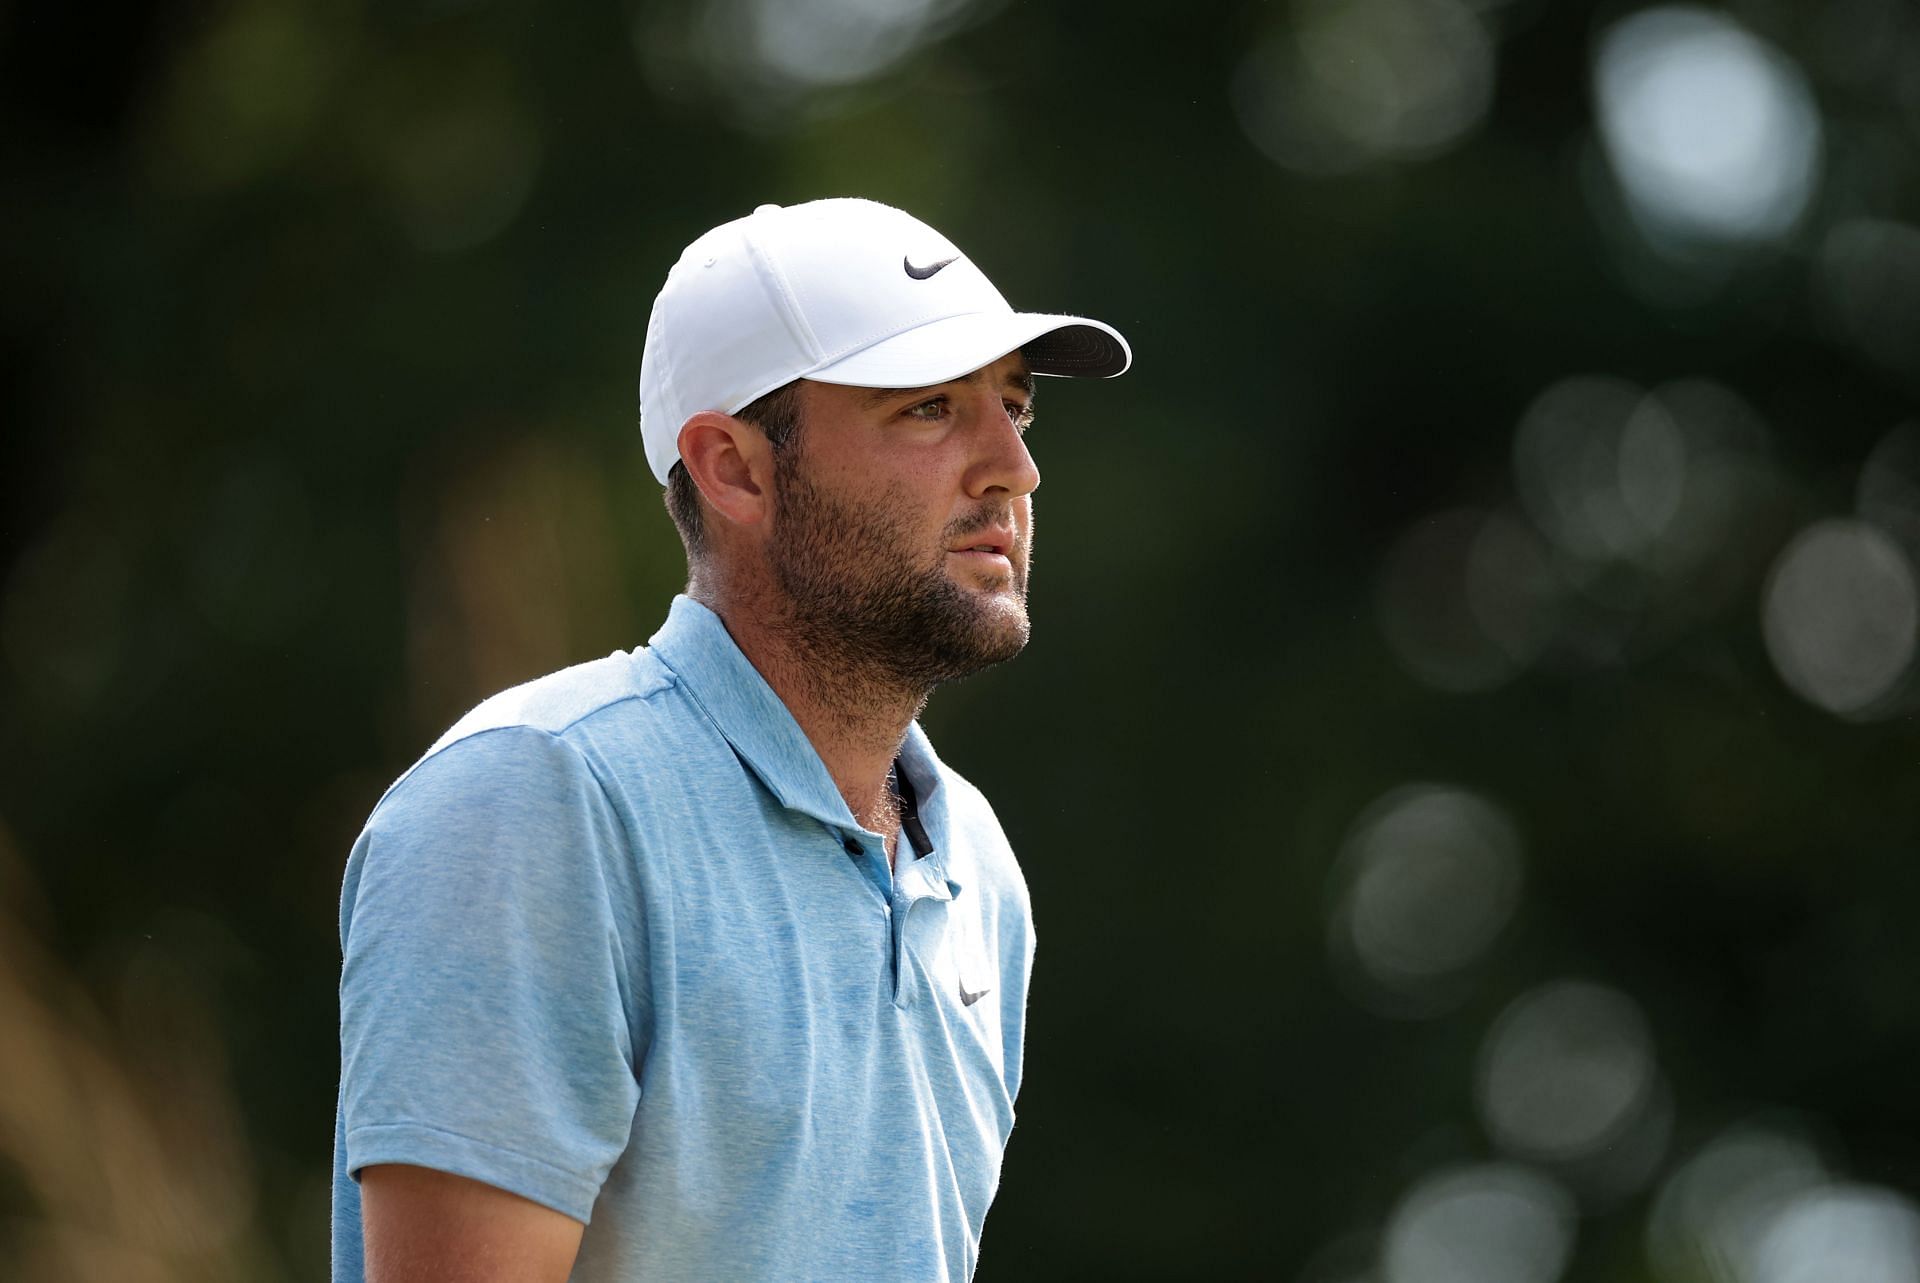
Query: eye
x,y
928,411
1021,414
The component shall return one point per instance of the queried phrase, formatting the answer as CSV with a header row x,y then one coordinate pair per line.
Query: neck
x,y
854,714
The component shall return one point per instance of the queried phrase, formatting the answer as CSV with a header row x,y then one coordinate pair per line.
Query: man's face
x,y
904,523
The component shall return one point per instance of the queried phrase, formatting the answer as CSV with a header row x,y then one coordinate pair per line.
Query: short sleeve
x,y
493,976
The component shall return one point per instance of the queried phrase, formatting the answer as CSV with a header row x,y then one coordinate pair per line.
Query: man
x,y
695,962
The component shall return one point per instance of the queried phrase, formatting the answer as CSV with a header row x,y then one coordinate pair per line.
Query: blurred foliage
x,y
319,329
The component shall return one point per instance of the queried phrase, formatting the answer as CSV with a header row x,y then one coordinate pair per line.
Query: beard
x,y
870,609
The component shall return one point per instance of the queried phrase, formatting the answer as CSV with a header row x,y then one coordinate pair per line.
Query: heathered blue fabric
x,y
605,948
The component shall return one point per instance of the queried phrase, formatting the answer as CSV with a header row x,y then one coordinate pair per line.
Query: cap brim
x,y
1073,346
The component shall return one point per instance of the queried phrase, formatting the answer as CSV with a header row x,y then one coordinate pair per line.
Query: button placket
x,y
902,992
862,859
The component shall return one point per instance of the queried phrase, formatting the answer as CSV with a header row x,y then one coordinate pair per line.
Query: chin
x,y
1004,617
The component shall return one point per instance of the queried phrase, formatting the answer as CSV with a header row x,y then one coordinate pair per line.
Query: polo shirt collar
x,y
932,875
694,643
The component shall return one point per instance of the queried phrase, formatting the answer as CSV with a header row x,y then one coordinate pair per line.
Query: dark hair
x,y
777,415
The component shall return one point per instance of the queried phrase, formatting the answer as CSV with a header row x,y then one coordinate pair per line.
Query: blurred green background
x,y
1465,762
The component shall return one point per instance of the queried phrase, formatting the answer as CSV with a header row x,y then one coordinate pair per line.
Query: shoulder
x,y
545,720
560,701
513,794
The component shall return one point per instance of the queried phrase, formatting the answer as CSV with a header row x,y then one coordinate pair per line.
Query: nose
x,y
1001,459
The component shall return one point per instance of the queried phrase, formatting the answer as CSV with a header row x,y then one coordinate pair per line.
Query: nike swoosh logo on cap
x,y
968,999
922,273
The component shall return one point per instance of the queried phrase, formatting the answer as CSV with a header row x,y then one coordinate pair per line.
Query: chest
x,y
784,957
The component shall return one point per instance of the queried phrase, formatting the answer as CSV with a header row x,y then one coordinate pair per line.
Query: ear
x,y
732,463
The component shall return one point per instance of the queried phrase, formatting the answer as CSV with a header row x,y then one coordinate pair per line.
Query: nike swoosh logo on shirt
x,y
922,273
968,999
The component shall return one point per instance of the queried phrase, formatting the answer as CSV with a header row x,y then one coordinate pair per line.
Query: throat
x,y
850,705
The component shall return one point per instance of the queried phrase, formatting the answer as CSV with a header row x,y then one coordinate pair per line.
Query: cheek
x,y
897,521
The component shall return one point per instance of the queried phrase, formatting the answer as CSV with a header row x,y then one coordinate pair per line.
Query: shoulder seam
x,y
559,736
669,681
598,709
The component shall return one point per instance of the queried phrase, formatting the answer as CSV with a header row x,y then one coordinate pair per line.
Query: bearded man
x,y
695,962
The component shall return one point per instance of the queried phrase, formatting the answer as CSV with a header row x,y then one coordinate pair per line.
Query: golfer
x,y
695,962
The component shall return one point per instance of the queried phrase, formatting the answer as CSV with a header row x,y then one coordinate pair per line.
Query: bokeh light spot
x,y
1512,587
1354,83
1494,1223
1841,1234
1888,494
1565,1071
1465,599
837,42
1709,1216
1428,878
1712,133
1598,472
1640,492
1839,614
1653,467
777,62
1723,473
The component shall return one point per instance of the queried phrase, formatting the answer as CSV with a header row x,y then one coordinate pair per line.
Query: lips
x,y
998,541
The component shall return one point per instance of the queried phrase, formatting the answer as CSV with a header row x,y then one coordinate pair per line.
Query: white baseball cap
x,y
843,291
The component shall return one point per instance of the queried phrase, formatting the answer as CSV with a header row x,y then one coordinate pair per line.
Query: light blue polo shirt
x,y
616,944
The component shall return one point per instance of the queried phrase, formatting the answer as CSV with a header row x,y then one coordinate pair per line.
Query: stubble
x,y
877,619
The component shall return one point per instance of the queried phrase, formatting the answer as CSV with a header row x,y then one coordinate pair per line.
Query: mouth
x,y
986,550
995,539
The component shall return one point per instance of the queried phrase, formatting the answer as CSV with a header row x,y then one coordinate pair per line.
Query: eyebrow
x,y
1019,380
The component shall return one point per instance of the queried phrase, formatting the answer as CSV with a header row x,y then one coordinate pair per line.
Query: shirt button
x,y
853,849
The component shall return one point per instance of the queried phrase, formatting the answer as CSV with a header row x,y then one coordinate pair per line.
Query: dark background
x,y
1464,764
